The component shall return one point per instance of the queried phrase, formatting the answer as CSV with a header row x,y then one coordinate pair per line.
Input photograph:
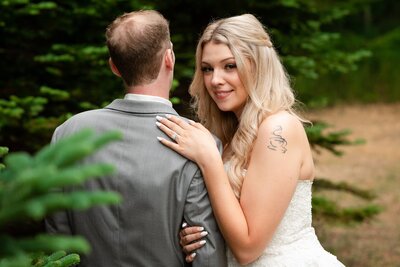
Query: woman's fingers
x,y
191,238
196,124
192,141
168,127
190,249
187,235
172,145
190,258
187,239
188,230
178,121
173,135
173,123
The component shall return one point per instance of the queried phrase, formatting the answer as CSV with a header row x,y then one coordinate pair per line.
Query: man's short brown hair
x,y
136,42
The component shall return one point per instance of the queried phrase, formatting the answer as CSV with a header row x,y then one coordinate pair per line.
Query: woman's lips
x,y
222,94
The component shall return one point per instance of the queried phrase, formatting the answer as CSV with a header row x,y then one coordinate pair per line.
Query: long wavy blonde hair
x,y
264,78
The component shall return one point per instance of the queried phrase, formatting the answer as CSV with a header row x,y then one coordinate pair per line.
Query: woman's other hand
x,y
191,240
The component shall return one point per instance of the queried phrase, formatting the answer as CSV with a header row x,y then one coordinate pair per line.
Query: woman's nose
x,y
217,78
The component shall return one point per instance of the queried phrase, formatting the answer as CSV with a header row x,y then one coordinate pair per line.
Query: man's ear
x,y
113,68
169,59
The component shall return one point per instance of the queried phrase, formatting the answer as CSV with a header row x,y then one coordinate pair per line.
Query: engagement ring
x,y
174,137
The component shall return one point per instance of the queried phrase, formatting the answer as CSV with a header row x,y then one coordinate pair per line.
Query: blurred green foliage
x,y
322,138
55,62
373,26
30,189
329,210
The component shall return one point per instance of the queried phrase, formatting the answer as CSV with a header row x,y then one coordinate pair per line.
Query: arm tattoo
x,y
277,142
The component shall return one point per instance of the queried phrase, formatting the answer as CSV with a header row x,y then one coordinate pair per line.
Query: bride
x,y
260,189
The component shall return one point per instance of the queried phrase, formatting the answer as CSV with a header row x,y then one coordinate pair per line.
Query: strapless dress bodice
x,y
294,243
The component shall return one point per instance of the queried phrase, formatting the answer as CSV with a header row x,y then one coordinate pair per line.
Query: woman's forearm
x,y
227,210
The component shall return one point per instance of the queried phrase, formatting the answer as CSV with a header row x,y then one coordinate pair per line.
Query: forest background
x,y
55,64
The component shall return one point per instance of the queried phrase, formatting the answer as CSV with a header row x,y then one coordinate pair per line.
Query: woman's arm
x,y
270,181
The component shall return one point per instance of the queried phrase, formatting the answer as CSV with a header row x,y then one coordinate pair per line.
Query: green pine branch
x,y
327,209
319,139
3,152
59,258
324,183
31,188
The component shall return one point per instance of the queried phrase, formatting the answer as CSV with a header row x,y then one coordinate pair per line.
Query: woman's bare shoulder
x,y
283,120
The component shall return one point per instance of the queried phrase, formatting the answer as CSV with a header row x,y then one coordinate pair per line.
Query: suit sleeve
x,y
198,212
58,223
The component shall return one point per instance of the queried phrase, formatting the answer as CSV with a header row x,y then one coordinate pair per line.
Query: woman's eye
x,y
206,69
230,66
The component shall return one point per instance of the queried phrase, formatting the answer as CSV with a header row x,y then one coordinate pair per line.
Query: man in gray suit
x,y
160,188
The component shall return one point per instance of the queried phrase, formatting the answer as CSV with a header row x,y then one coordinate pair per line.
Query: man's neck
x,y
152,89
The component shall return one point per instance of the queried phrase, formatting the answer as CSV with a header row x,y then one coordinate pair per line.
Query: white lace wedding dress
x,y
294,244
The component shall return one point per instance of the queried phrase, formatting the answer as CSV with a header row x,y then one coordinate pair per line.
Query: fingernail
x,y
184,225
158,124
202,242
159,138
168,116
200,228
193,255
204,233
159,118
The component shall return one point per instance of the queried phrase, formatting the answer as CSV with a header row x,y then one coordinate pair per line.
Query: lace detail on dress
x,y
294,243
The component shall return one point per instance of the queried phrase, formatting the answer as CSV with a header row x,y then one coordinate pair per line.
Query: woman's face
x,y
221,78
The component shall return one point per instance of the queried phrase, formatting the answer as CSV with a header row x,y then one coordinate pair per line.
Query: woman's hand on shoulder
x,y
190,139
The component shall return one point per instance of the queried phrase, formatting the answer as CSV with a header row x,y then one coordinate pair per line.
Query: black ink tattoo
x,y
277,142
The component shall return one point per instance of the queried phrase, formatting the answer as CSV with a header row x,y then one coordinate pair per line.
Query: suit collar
x,y
143,107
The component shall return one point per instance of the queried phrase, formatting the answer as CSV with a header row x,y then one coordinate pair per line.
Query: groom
x,y
160,188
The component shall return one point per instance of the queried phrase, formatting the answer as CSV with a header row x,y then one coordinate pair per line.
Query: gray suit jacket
x,y
159,188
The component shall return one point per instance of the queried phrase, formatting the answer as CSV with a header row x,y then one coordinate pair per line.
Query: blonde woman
x,y
260,190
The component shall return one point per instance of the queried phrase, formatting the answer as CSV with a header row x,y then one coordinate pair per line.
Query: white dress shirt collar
x,y
150,98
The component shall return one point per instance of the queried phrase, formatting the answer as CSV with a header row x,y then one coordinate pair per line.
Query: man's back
x,y
159,189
